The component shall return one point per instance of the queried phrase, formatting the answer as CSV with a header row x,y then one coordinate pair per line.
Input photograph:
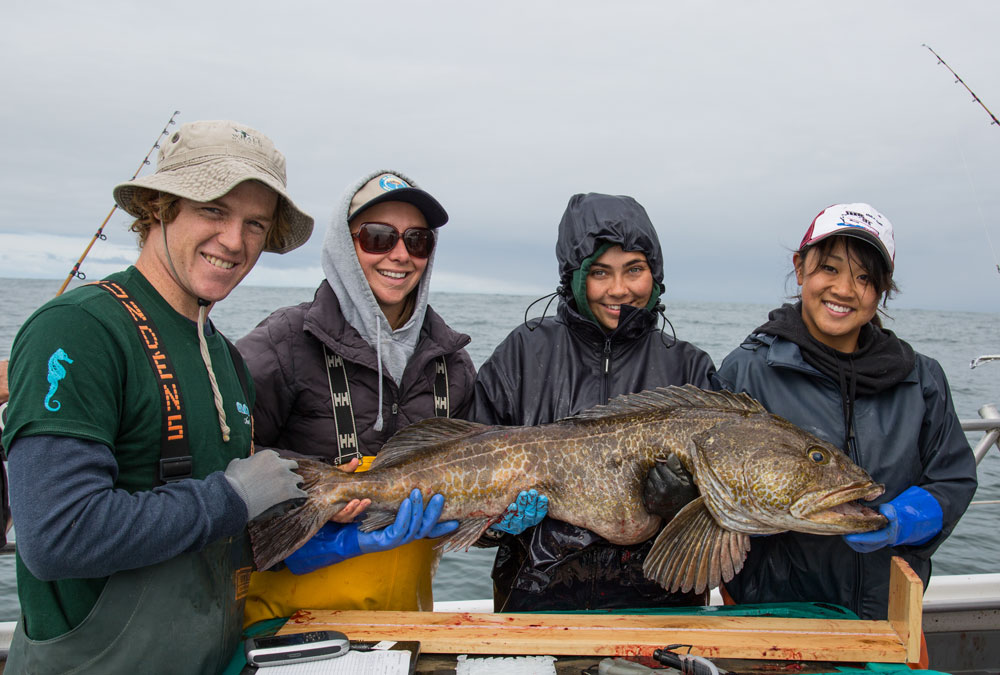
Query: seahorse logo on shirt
x,y
56,372
244,410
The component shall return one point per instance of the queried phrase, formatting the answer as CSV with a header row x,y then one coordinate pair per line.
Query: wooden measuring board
x,y
896,640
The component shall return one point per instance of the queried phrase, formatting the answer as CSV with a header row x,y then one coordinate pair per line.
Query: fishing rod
x,y
75,272
993,117
960,81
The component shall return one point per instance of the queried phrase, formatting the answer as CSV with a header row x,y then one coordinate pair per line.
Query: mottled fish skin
x,y
756,473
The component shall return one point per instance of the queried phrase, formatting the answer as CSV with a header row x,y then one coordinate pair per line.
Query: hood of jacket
x,y
593,217
357,302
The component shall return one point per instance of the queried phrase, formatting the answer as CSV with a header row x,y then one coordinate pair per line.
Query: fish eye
x,y
818,455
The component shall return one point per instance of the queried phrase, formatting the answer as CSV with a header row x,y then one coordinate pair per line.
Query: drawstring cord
x,y
657,309
848,387
202,343
378,353
551,297
662,311
852,393
207,360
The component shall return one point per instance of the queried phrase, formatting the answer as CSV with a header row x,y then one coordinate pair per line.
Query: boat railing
x,y
989,424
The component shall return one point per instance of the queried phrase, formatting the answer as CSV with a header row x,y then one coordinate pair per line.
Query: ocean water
x,y
953,338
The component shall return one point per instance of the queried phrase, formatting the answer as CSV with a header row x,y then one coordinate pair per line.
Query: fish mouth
x,y
840,509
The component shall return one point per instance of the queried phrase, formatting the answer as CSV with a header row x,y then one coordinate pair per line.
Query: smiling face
x,y
618,278
212,245
392,276
838,296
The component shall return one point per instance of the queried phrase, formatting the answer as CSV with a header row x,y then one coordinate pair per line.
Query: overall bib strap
x,y
346,434
175,450
442,399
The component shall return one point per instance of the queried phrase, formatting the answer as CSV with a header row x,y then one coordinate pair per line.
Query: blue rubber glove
x,y
915,517
526,511
335,542
422,523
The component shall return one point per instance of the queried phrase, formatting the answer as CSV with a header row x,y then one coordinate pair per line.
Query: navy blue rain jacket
x,y
906,435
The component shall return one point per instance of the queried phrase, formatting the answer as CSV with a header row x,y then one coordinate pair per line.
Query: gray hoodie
x,y
358,303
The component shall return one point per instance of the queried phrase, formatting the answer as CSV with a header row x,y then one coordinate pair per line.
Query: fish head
x,y
762,474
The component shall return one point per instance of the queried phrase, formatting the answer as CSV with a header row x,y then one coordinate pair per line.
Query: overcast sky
x,y
733,123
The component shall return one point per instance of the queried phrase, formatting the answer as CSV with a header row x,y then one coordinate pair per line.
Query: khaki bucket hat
x,y
204,160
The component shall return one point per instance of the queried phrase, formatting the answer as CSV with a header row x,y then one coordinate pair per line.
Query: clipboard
x,y
412,646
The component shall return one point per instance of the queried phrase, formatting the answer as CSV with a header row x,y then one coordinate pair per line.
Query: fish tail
x,y
274,539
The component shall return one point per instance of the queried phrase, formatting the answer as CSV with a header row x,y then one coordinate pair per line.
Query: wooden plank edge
x,y
595,620
617,635
906,601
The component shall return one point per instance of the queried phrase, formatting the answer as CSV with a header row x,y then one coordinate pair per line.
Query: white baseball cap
x,y
854,220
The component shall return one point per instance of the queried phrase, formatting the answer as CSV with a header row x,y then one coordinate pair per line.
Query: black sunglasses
x,y
382,238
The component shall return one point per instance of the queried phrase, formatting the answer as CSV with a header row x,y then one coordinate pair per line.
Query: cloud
x,y
733,123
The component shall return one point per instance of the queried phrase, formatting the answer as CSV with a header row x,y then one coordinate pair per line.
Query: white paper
x,y
351,663
506,665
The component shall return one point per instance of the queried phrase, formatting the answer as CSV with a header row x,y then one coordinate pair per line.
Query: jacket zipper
x,y
852,450
606,374
393,419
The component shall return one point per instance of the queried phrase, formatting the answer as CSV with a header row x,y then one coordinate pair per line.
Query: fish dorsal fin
x,y
422,437
661,398
694,553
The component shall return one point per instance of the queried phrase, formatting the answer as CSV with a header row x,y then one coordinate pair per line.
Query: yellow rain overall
x,y
399,579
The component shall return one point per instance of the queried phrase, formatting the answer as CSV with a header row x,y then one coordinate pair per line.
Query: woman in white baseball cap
x,y
826,364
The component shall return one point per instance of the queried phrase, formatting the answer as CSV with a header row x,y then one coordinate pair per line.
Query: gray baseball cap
x,y
391,187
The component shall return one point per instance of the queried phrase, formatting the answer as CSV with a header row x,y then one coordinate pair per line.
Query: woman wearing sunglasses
x,y
338,376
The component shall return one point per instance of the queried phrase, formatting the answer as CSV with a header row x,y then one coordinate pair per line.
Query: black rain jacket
x,y
559,366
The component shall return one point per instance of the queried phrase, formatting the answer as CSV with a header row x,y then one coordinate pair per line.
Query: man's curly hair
x,y
156,206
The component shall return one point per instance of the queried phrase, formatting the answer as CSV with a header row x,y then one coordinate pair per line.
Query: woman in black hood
x,y
603,342
827,365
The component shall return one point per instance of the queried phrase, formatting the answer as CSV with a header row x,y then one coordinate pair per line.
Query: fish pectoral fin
x,y
467,534
694,553
375,519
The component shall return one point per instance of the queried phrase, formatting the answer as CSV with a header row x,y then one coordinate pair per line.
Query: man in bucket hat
x,y
129,433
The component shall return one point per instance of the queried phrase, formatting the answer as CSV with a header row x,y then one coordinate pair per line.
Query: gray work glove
x,y
263,480
668,488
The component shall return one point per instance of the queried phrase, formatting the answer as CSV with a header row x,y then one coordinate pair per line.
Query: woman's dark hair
x,y
869,257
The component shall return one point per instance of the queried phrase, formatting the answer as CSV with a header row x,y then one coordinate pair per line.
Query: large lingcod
x,y
756,474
